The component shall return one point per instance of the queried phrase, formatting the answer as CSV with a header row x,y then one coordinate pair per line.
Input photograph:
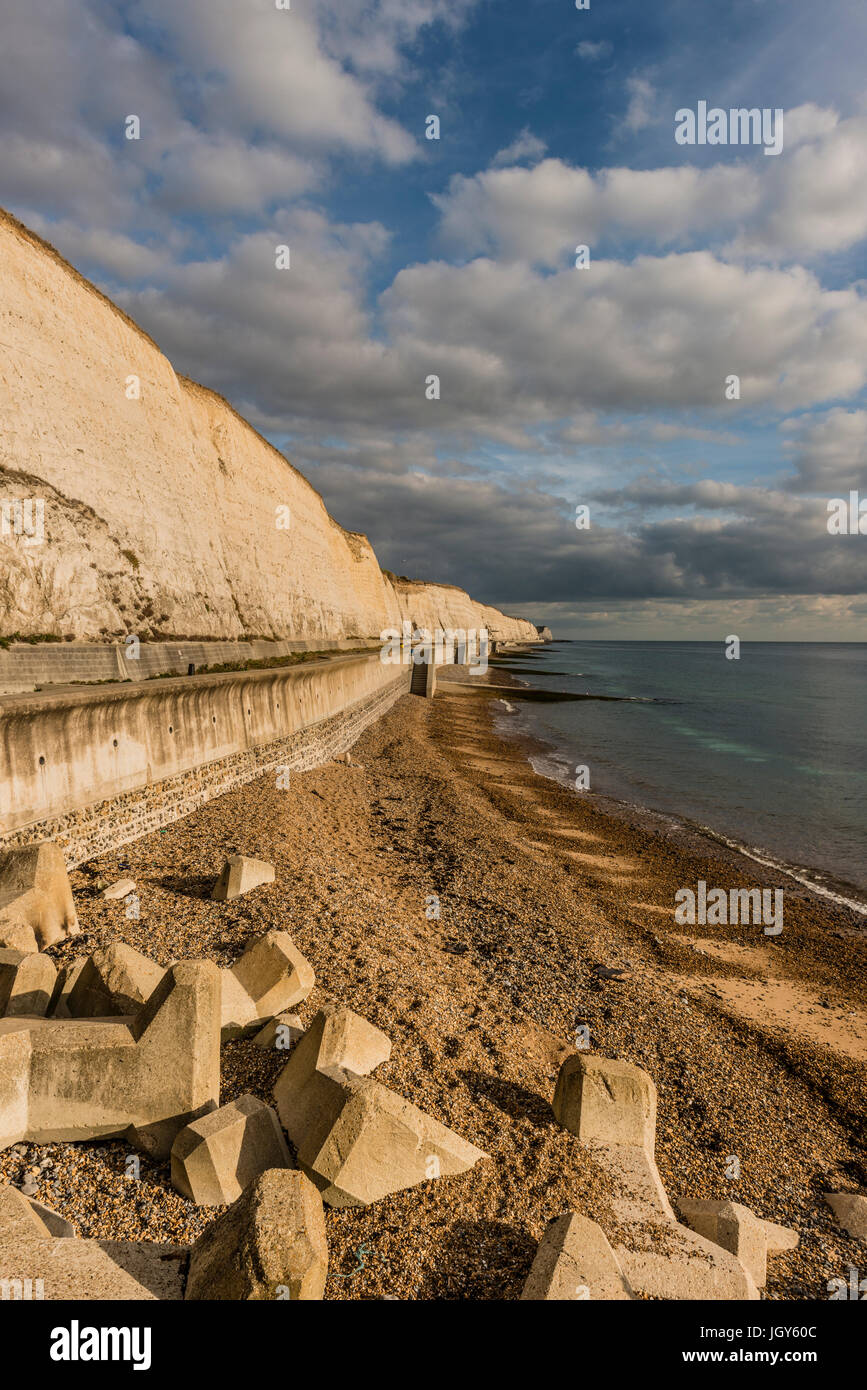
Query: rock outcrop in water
x,y
164,512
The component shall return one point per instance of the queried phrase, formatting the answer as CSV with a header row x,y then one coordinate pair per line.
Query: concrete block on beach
x,y
348,1041
850,1209
674,1263
280,1032
216,1157
239,875
609,1101
17,936
611,1107
35,892
271,977
738,1230
67,976
27,983
114,980
121,889
270,1244
142,1078
357,1140
575,1262
34,1257
56,1224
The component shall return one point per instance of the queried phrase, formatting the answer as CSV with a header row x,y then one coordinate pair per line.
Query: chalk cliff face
x,y
164,513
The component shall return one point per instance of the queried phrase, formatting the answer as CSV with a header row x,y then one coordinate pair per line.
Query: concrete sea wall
x,y
94,769
24,665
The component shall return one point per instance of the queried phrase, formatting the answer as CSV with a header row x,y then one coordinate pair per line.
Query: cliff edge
x,y
165,513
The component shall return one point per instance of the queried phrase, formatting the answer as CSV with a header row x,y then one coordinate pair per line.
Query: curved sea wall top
x,y
164,514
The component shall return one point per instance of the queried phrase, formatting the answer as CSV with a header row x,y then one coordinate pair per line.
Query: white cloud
x,y
269,71
829,450
217,173
592,52
238,108
524,146
813,199
642,98
540,214
515,350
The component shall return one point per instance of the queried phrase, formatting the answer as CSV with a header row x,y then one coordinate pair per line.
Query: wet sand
x,y
756,1044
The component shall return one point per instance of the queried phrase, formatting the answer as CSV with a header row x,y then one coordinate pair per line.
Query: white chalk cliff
x,y
161,512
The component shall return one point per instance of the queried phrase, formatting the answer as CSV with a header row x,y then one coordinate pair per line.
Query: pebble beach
x,y
488,920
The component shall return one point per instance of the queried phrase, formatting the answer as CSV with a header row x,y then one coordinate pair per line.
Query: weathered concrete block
x,y
216,1157
611,1107
143,1078
850,1209
26,983
35,891
376,1142
357,1140
779,1238
17,936
121,889
280,1032
271,977
348,1041
70,1268
738,1230
67,976
609,1101
641,1196
269,1244
115,980
575,1261
54,1223
239,875
672,1262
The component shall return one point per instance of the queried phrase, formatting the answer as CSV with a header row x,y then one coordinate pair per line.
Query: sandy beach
x,y
463,904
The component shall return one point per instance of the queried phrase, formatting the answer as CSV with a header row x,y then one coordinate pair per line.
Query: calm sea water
x,y
769,750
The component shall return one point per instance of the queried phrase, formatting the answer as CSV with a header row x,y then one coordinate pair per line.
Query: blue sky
x,y
559,387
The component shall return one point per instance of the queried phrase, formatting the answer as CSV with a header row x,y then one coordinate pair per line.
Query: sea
x,y
766,752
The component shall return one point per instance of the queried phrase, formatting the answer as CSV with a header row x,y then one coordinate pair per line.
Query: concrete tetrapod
x,y
67,977
281,1032
65,1267
850,1209
357,1140
611,1107
239,875
27,983
271,977
35,893
575,1262
270,1244
143,1077
216,1157
114,980
737,1229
